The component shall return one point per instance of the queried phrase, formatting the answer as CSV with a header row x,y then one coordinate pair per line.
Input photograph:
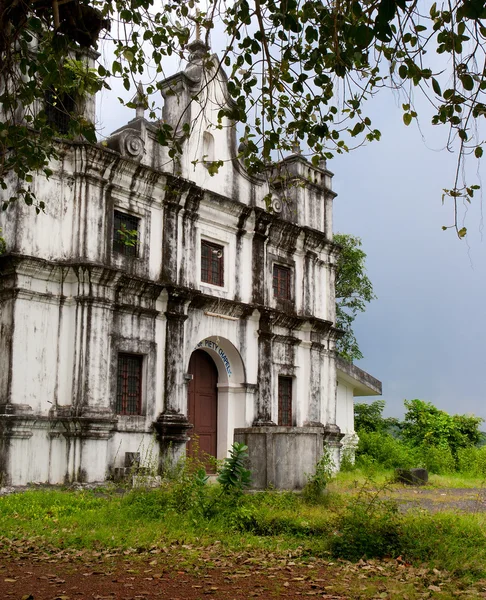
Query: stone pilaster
x,y
263,416
172,424
260,236
314,418
169,242
174,354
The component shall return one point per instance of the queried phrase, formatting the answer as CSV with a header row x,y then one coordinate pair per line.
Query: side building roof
x,y
363,383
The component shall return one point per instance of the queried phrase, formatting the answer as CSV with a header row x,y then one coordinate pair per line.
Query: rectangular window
x,y
129,384
282,277
212,263
59,110
125,233
285,401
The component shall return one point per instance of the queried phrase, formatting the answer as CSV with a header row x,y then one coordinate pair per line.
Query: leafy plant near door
x,y
234,477
187,482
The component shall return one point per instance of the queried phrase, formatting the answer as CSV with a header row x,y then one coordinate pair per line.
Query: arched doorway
x,y
203,404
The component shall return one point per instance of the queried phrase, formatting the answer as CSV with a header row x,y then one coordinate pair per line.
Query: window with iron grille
x,y
129,384
125,233
212,263
285,401
282,277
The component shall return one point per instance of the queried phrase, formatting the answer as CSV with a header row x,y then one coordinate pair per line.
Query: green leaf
x,y
467,82
128,55
436,86
478,152
462,232
407,118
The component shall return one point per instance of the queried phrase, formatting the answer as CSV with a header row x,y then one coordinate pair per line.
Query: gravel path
x,y
472,500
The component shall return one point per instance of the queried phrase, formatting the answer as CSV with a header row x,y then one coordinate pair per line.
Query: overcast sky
x,y
424,337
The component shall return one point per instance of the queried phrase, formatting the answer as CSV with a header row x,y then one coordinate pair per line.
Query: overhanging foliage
x,y
298,70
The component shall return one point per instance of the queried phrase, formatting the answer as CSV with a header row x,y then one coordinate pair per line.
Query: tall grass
x,y
450,540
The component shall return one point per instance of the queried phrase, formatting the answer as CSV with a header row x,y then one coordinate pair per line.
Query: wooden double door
x,y
203,405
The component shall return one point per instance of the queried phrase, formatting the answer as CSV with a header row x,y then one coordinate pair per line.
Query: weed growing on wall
x,y
317,483
347,460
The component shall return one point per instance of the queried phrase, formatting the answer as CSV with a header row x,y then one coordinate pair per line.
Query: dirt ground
x,y
240,577
149,577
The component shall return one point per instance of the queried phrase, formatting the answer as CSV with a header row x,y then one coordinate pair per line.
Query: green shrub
x,y
384,450
472,461
276,499
368,528
189,491
233,476
273,513
438,460
261,521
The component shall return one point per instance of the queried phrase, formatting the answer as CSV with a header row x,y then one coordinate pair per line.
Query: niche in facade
x,y
208,148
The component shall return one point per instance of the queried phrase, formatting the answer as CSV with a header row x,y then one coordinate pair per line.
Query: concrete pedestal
x,y
282,457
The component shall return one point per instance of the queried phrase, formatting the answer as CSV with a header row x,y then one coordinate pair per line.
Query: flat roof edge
x,y
364,383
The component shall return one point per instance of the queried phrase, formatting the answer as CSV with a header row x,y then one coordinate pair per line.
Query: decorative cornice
x,y
286,339
335,334
320,325
262,221
231,308
175,189
284,234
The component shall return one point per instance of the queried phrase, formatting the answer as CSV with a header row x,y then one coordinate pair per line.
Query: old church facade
x,y
153,304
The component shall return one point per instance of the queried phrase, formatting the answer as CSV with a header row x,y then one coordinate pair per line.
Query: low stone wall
x,y
282,457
